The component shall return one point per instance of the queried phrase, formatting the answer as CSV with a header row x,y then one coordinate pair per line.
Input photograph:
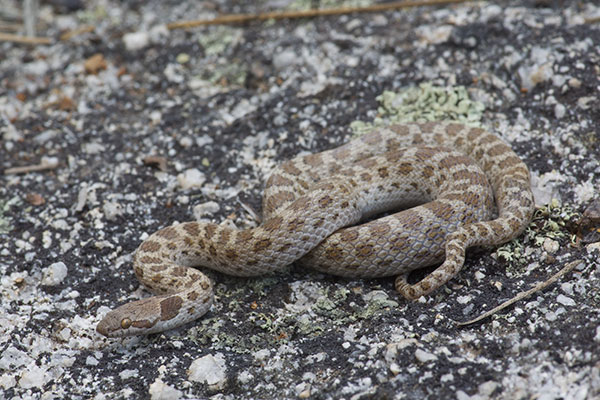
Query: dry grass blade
x,y
241,18
522,295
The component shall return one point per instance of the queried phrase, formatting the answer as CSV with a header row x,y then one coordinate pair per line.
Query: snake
x,y
396,199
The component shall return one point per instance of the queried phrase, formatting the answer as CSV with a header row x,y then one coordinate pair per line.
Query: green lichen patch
x,y
424,103
217,40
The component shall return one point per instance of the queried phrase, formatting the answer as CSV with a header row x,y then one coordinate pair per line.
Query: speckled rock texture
x,y
137,127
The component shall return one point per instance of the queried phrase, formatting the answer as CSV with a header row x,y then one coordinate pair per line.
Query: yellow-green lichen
x,y
226,74
422,104
548,222
218,39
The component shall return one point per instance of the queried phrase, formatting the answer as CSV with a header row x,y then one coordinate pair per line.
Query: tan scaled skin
x,y
448,173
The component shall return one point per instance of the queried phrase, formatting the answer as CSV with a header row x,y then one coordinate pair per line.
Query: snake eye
x,y
125,323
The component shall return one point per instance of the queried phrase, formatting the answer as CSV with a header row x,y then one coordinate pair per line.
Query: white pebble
x,y
285,59
245,377
161,391
128,373
574,83
32,377
395,368
585,102
155,117
7,381
186,142
551,316
91,361
54,274
159,32
464,299
423,356
550,245
208,208
13,358
136,40
191,178
486,389
262,355
559,111
564,300
567,288
111,210
208,369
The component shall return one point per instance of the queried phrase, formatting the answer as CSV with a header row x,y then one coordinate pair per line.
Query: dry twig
x,y
9,37
522,295
46,163
240,18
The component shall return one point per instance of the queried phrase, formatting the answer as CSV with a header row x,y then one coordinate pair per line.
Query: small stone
x,y
262,355
91,361
33,377
423,356
54,274
305,394
302,388
565,300
551,246
161,391
191,178
245,377
13,358
208,208
186,142
156,161
182,58
284,59
155,117
158,33
584,102
35,199
93,148
136,40
559,111
128,373
46,136
531,76
112,210
464,299
208,369
486,389
574,83
94,64
7,381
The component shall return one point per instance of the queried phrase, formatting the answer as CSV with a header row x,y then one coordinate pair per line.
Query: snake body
x,y
448,173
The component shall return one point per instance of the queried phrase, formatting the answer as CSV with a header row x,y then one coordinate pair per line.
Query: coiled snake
x,y
448,173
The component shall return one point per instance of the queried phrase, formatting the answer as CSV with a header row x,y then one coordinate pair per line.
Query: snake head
x,y
151,315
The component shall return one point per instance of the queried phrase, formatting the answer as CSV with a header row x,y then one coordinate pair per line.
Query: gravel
x,y
127,127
